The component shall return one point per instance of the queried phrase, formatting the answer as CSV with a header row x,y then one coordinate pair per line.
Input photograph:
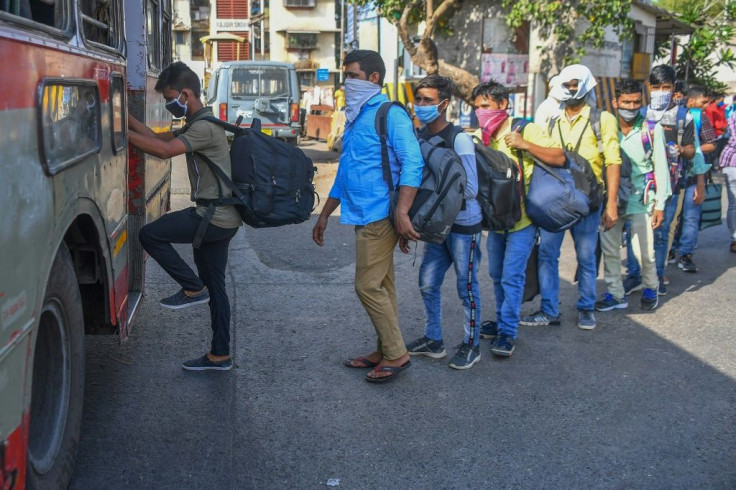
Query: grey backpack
x,y
440,196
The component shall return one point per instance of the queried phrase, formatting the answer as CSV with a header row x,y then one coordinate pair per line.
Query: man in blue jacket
x,y
363,195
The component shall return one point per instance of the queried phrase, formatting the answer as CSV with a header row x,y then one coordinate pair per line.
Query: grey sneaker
x,y
180,300
204,364
586,319
427,347
539,319
489,329
632,284
662,289
686,263
465,357
609,303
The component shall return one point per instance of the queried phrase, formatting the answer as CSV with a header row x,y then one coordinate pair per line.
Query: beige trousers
x,y
642,241
375,284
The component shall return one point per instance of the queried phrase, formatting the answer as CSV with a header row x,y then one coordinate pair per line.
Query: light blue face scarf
x,y
357,93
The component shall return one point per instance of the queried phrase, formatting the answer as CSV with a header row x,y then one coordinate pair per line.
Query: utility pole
x,y
263,31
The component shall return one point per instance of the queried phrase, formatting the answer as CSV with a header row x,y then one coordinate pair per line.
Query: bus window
x,y
102,22
166,40
70,123
153,34
47,12
117,103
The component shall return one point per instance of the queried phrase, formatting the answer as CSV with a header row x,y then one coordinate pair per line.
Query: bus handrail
x,y
95,22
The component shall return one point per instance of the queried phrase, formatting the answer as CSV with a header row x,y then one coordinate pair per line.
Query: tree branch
x,y
443,8
403,31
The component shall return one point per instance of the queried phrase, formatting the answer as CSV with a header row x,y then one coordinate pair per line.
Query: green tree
x,y
709,45
555,20
406,15
573,26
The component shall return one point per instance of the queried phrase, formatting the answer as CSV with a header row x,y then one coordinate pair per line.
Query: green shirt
x,y
209,139
632,145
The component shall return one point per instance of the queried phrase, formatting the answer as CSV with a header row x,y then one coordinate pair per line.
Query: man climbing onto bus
x,y
180,88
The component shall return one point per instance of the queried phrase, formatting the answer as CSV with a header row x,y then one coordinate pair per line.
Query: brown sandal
x,y
733,247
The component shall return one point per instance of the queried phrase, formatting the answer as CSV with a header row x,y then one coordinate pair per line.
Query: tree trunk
x,y
426,58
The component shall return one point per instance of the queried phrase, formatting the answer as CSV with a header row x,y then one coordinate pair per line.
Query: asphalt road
x,y
644,401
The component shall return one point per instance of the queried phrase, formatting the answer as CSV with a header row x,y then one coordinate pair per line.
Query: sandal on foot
x,y
733,247
364,363
394,370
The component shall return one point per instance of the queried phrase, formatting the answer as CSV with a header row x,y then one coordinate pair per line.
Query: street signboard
x,y
323,74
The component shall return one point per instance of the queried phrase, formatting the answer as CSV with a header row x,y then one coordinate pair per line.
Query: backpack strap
x,y
552,122
681,120
382,130
647,137
595,123
213,203
519,123
580,139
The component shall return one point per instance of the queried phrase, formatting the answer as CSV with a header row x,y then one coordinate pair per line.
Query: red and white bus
x,y
74,196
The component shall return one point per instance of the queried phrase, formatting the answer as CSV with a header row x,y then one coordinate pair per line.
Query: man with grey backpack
x,y
461,247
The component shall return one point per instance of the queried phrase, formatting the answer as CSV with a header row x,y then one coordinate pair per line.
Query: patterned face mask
x,y
660,100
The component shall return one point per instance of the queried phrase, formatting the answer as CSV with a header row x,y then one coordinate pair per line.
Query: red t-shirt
x,y
717,117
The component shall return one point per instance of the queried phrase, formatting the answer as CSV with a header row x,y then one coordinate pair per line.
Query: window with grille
x,y
166,49
232,50
232,9
301,40
153,34
102,23
298,3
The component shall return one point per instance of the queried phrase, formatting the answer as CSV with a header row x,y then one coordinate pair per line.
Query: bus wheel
x,y
58,380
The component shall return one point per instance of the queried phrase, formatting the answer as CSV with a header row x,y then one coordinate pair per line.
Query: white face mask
x,y
357,93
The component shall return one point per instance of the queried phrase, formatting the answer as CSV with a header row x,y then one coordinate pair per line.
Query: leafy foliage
x,y
561,19
708,47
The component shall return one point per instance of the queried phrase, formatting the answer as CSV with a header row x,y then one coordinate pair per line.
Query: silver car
x,y
267,90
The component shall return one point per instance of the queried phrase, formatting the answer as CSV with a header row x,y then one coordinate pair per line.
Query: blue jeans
x,y
585,236
462,252
507,257
662,234
690,223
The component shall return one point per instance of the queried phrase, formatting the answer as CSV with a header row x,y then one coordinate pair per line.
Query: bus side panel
x,y
148,183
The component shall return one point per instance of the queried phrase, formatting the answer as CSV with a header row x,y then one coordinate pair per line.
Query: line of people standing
x,y
657,146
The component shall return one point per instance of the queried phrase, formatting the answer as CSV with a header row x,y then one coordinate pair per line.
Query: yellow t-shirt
x,y
533,134
589,149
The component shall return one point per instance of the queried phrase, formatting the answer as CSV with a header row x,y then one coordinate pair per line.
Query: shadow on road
x,y
646,400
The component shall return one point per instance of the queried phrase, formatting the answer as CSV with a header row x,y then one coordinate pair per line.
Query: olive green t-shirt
x,y
208,139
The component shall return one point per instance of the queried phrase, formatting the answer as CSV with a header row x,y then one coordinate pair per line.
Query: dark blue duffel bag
x,y
553,201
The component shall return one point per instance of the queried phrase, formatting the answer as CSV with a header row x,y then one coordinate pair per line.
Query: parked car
x,y
267,90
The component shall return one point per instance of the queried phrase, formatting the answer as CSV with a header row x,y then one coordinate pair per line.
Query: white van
x,y
267,90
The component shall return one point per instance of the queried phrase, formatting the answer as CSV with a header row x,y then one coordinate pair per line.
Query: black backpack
x,y
440,195
625,184
271,179
500,184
